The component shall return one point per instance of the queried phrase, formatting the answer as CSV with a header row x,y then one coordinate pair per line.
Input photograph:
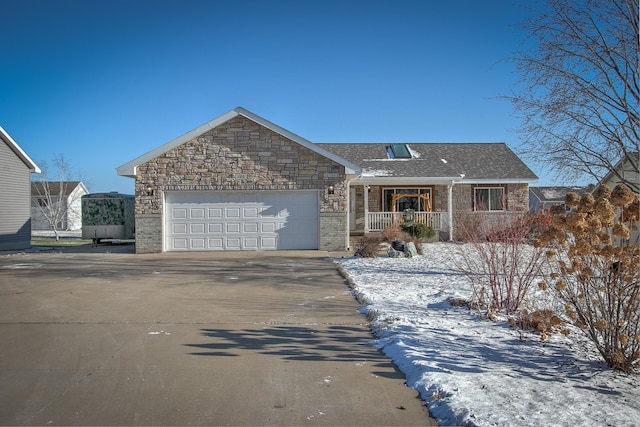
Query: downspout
x,y
450,208
348,226
366,208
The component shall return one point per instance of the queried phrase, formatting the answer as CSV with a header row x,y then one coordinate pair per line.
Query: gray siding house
x,y
626,168
542,198
240,182
15,194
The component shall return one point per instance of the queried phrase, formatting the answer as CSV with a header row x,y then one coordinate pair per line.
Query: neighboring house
x,y
624,168
542,198
15,175
64,197
627,168
240,182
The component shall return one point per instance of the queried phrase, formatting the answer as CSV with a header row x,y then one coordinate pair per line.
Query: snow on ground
x,y
472,371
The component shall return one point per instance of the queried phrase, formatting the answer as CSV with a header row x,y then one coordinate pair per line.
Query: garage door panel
x,y
233,227
250,212
180,244
197,244
216,244
196,228
268,243
180,228
250,243
233,243
268,227
179,213
249,220
250,228
215,228
215,213
232,212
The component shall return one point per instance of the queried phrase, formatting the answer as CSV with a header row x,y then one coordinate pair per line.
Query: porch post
x,y
366,208
450,208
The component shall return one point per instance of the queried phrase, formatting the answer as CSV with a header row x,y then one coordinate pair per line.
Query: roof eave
x,y
420,180
19,151
129,169
404,180
499,181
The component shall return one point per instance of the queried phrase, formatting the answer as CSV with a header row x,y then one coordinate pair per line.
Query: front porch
x,y
374,208
379,221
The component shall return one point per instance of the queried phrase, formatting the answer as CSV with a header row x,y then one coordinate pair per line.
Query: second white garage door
x,y
246,220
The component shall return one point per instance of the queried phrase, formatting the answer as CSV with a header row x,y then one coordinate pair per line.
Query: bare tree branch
x,y
578,95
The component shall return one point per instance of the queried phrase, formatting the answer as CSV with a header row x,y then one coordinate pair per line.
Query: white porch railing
x,y
378,221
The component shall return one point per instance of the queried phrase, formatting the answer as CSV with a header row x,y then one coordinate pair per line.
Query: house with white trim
x,y
57,201
625,170
240,182
15,198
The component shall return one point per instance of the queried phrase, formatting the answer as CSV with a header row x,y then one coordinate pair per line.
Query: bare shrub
x,y
543,321
467,226
392,232
540,222
502,268
368,246
595,271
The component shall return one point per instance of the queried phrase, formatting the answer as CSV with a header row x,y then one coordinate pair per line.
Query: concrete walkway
x,y
112,338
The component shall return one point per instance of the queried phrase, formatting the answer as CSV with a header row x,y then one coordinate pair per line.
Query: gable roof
x,y
129,169
462,162
42,188
18,151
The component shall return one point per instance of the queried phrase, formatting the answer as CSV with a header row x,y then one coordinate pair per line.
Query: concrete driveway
x,y
105,337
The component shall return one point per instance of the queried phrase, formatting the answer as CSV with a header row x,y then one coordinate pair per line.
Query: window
x,y
410,200
398,151
489,199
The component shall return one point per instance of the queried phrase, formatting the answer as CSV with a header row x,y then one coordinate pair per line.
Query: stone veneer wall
x,y
517,197
440,194
240,155
517,201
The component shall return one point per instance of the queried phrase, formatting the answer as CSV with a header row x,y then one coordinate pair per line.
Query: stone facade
x,y
240,154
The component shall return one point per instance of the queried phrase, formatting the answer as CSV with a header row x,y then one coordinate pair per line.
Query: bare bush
x,y
368,246
595,270
543,321
392,232
502,268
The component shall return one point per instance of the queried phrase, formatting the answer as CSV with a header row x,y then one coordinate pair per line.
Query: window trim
x,y
383,199
489,189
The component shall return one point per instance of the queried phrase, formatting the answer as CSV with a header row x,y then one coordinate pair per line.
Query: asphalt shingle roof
x,y
474,161
558,193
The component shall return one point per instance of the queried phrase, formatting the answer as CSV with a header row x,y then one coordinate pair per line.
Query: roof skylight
x,y
398,151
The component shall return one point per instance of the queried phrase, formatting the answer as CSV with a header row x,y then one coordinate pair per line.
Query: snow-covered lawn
x,y
472,371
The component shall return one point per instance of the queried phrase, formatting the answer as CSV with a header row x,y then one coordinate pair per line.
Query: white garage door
x,y
245,220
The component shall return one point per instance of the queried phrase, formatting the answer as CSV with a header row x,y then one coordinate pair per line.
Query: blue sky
x,y
103,82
